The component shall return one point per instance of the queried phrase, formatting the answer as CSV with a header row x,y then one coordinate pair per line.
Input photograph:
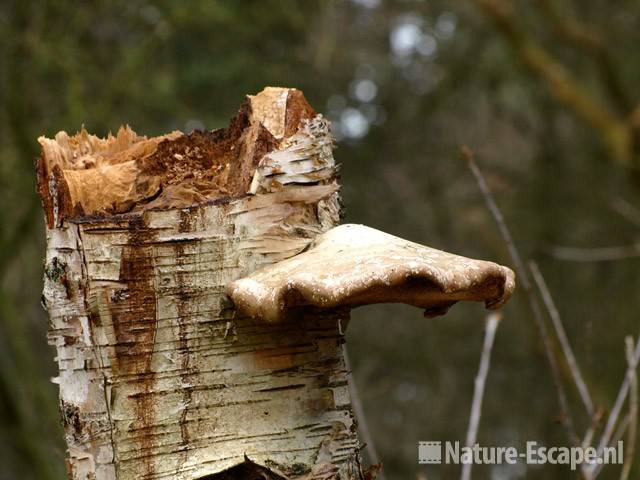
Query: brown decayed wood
x,y
83,175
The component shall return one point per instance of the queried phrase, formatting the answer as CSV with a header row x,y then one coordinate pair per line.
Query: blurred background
x,y
545,92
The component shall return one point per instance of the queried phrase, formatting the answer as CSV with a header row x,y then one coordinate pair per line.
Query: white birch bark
x,y
159,378
160,375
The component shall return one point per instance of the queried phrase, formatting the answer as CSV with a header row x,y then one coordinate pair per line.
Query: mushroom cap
x,y
354,265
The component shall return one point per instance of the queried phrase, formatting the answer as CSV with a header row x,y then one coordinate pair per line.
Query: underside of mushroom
x,y
354,265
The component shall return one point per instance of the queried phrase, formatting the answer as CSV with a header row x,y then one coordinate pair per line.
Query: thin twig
x,y
601,254
591,431
358,410
591,471
562,337
523,278
627,210
620,431
617,407
493,320
633,415
469,156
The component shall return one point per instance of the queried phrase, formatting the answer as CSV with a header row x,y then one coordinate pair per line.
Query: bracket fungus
x,y
354,265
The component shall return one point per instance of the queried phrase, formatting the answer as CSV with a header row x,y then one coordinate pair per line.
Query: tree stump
x,y
160,375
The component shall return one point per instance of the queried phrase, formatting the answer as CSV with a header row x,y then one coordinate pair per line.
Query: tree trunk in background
x,y
159,377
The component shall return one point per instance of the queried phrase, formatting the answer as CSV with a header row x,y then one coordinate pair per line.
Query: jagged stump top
x,y
83,175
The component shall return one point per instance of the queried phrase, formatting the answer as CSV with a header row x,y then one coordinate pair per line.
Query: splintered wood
x,y
159,377
84,175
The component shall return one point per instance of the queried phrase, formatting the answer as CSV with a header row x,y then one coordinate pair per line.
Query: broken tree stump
x,y
150,241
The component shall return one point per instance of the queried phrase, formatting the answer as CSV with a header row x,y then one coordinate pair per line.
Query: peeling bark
x,y
160,375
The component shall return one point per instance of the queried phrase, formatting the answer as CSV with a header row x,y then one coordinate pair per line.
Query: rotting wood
x,y
160,375
84,175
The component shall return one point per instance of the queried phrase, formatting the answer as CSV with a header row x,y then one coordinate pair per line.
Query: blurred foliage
x,y
405,84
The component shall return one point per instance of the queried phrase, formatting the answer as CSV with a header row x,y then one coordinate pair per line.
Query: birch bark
x,y
159,377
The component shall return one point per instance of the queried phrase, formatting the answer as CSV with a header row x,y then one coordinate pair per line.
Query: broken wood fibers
x,y
158,376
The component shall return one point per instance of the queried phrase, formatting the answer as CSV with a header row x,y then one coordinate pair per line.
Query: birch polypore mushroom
x,y
160,376
353,265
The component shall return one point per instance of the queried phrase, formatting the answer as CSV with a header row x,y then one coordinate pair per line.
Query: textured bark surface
x,y
159,376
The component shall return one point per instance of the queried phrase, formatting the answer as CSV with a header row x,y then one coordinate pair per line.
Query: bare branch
x,y
358,411
565,413
591,431
592,473
617,407
493,320
562,337
627,210
633,415
602,254
620,431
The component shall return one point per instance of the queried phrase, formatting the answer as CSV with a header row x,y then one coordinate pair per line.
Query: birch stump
x,y
150,241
